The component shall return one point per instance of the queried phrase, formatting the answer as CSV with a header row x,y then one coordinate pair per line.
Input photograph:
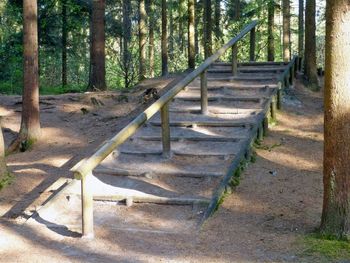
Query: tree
x,y
142,39
270,27
286,29
310,70
97,51
191,35
217,18
164,43
30,130
3,167
152,24
301,29
126,64
64,42
336,179
208,28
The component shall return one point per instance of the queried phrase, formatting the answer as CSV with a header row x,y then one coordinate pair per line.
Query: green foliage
x,y
6,179
325,249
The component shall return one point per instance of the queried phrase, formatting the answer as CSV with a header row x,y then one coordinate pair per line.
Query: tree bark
x,y
310,44
151,38
301,29
217,18
336,173
164,43
191,35
208,28
126,41
3,167
64,43
142,39
30,125
198,9
270,31
171,30
97,55
286,30
181,26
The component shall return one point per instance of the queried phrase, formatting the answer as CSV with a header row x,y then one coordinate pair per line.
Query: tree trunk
x,y
30,125
217,18
191,35
97,56
270,31
171,30
336,177
3,168
164,40
181,26
208,28
64,43
142,39
126,41
151,38
301,29
286,30
198,9
310,44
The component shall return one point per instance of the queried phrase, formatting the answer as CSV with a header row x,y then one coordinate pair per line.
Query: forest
x,y
185,131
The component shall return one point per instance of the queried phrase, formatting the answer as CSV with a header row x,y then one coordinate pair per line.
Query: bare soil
x,y
278,201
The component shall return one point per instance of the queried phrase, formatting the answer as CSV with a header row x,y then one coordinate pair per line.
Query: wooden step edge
x,y
214,112
221,98
192,138
177,153
153,199
193,124
151,174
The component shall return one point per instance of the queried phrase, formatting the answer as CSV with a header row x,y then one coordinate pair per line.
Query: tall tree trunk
x,y
97,56
191,35
3,168
310,44
198,9
301,29
217,18
237,12
270,31
208,28
286,30
171,30
164,39
126,42
30,130
151,38
181,26
142,39
336,177
64,43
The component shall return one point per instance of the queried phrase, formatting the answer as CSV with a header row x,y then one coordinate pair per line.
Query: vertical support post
x,y
164,113
204,93
234,59
260,136
291,75
265,125
295,67
273,108
87,207
286,81
252,45
279,95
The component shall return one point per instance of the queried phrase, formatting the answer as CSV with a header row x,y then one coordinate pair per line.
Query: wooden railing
x,y
83,169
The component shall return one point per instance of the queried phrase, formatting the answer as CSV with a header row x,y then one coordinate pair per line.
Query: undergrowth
x,y
6,180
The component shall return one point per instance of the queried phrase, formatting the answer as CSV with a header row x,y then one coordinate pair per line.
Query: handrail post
x,y
279,95
87,207
291,75
165,130
234,59
204,93
252,45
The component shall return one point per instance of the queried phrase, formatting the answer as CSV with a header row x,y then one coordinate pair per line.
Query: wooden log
x,y
153,199
165,131
279,95
87,207
204,93
234,59
273,108
260,132
252,45
265,126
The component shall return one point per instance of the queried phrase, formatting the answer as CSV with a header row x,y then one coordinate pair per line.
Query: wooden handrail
x,y
84,168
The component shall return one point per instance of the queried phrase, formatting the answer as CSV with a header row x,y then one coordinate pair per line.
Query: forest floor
x,y
268,218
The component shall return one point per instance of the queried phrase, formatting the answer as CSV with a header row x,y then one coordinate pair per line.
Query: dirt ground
x,y
278,201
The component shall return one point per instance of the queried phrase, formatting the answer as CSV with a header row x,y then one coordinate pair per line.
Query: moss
x,y
253,156
325,248
26,145
266,147
6,179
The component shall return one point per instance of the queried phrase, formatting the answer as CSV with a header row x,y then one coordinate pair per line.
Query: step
x,y
247,70
157,165
221,98
227,91
180,148
254,64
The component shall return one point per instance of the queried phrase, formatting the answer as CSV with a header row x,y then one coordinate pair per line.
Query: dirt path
x,y
278,201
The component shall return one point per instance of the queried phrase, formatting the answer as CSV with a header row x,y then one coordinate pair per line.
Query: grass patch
x,y
325,249
6,180
259,145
